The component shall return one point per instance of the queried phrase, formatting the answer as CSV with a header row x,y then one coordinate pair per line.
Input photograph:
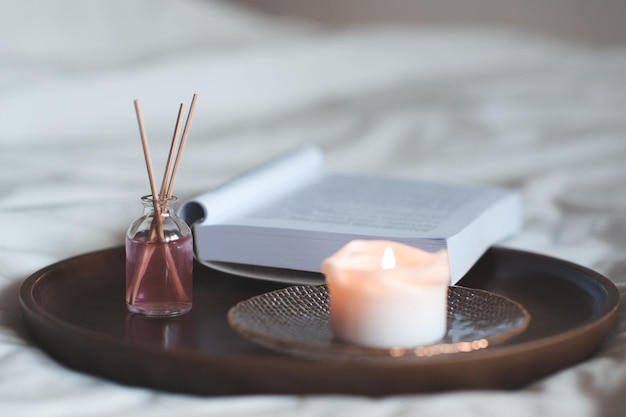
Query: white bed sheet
x,y
459,104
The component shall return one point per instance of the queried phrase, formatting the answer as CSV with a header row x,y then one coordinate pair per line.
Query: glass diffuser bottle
x,y
159,261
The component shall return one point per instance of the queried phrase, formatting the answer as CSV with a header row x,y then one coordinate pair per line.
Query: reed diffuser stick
x,y
154,228
146,151
183,141
167,174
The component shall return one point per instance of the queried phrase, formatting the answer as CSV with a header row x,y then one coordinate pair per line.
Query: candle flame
x,y
389,260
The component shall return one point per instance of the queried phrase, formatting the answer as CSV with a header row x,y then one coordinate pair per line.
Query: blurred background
x,y
599,22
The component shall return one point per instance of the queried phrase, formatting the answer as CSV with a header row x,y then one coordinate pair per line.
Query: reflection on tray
x,y
163,333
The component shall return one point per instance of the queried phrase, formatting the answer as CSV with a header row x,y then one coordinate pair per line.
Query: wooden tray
x,y
75,311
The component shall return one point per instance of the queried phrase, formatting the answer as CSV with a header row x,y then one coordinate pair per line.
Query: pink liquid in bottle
x,y
159,276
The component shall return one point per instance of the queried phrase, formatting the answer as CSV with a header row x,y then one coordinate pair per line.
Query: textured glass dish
x,y
294,321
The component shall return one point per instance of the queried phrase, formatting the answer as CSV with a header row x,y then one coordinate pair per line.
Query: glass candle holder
x,y
159,261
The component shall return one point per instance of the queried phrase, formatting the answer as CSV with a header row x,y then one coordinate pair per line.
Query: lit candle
x,y
387,294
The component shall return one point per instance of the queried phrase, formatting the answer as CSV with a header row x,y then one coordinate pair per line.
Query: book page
x,y
255,187
375,206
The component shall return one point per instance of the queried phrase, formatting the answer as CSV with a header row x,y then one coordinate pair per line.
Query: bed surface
x,y
468,104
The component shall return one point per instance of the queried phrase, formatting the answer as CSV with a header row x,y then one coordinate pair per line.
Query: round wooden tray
x,y
75,311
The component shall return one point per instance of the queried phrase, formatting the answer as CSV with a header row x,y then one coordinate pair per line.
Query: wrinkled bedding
x,y
487,106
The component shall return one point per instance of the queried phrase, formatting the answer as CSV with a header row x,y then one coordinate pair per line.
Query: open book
x,y
290,213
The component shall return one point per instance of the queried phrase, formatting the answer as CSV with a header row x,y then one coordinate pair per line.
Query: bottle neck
x,y
162,206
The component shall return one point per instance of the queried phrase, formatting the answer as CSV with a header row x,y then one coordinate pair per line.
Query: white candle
x,y
386,294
